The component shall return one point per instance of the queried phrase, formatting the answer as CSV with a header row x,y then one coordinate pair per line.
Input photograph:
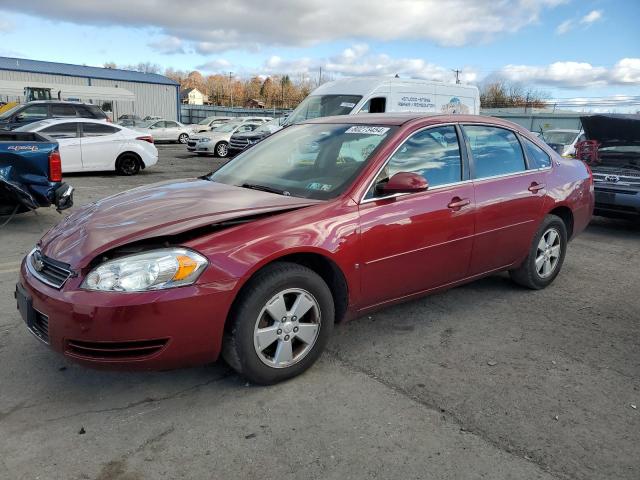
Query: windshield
x,y
310,161
323,106
561,138
269,126
9,112
227,127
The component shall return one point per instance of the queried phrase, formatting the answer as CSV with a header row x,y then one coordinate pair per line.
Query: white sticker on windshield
x,y
347,104
368,130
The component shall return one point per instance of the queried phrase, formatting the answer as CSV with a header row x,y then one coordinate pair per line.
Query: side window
x,y
496,151
433,153
538,158
374,105
35,112
63,111
62,130
97,130
170,124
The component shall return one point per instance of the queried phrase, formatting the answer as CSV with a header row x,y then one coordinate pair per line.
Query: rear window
x,y
97,129
496,151
537,157
90,111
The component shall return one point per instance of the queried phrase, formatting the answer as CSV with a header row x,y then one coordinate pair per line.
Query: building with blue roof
x,y
117,91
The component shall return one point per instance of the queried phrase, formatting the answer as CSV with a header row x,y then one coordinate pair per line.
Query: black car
x,y
39,110
242,140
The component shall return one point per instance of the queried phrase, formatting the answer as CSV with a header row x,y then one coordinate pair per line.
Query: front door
x,y
416,242
509,197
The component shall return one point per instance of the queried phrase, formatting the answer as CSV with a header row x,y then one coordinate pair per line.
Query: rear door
x,y
509,197
68,137
101,145
416,242
172,130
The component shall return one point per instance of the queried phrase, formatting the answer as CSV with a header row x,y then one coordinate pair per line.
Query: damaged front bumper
x,y
63,197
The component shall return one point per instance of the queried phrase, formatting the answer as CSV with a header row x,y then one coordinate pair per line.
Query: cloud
x,y
215,65
586,21
564,27
574,74
168,45
592,16
6,26
359,60
245,24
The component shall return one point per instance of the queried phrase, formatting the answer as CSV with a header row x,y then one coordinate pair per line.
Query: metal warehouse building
x,y
116,91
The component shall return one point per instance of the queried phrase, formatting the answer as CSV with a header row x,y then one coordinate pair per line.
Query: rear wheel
x,y
183,138
280,324
222,149
546,255
128,164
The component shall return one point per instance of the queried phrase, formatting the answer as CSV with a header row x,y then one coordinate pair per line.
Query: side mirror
x,y
405,182
19,118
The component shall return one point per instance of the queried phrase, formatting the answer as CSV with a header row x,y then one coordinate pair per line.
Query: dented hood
x,y
166,208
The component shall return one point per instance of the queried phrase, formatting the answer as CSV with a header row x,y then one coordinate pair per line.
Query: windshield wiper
x,y
264,188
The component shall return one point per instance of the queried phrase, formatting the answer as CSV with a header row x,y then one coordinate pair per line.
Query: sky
x,y
584,49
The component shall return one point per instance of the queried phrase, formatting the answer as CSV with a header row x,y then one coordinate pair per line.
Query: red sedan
x,y
317,224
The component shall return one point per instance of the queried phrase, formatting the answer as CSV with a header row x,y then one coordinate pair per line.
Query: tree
x,y
503,94
110,65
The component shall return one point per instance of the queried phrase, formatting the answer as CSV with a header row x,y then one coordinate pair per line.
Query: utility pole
x,y
457,72
231,89
320,76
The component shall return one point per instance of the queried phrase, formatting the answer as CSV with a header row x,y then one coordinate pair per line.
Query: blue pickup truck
x,y
31,174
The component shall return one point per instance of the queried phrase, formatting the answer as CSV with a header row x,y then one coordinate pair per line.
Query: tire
x,y
282,349
183,138
546,255
222,149
127,164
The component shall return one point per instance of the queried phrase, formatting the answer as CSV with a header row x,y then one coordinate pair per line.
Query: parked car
x,y
166,130
131,123
314,225
149,118
35,111
242,140
210,123
31,174
216,142
129,116
563,141
615,163
89,145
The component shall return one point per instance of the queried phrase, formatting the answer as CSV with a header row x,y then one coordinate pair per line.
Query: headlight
x,y
154,270
205,140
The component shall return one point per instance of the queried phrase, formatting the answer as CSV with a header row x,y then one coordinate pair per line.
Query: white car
x,y
564,141
166,130
216,142
210,123
91,145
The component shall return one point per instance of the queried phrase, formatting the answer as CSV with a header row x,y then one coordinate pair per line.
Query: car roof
x,y
70,102
398,119
53,120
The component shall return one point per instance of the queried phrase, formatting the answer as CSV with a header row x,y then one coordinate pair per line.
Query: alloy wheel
x,y
548,253
287,328
222,149
183,138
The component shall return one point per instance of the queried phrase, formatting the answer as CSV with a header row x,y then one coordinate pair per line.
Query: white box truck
x,y
349,96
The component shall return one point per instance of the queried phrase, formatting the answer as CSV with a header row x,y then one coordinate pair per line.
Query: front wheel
x,y
183,138
280,324
222,149
546,255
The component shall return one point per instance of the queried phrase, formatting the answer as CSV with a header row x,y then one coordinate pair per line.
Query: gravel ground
x,y
484,381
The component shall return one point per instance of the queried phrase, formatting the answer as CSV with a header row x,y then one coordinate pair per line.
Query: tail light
x,y
109,120
55,166
145,138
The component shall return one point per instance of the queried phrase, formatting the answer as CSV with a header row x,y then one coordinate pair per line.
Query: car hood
x,y
157,210
214,136
612,130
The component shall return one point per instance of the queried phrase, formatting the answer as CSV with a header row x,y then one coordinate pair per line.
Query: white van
x,y
349,96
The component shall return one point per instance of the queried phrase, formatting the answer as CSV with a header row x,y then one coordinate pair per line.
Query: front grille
x,y
616,208
238,144
115,350
191,144
47,270
40,326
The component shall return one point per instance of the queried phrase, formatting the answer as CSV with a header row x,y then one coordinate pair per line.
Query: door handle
x,y
457,203
535,187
